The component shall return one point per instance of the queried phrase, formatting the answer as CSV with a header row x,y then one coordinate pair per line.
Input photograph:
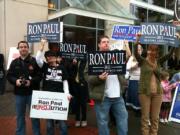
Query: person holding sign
x,y
106,90
134,76
54,80
25,75
150,90
175,78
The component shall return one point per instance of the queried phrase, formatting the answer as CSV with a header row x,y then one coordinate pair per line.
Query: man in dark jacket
x,y
25,75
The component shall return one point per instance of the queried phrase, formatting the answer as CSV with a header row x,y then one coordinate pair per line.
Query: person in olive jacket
x,y
25,75
106,90
150,89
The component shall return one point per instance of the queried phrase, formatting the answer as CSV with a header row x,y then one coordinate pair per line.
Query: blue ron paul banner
x,y
47,30
73,51
125,32
112,62
175,108
159,33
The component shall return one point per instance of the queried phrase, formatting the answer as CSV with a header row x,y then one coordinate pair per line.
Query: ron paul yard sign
x,y
52,31
159,33
112,62
72,50
49,105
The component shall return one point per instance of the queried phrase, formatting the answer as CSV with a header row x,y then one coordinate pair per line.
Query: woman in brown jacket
x,y
150,92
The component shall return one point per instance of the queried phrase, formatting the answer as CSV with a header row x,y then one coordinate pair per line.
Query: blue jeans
x,y
21,102
118,110
62,127
132,95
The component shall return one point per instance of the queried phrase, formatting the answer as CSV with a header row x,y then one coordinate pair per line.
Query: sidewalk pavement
x,y
8,121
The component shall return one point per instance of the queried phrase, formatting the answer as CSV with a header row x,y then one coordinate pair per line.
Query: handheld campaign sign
x,y
118,45
159,33
175,107
52,31
49,105
121,32
72,50
112,62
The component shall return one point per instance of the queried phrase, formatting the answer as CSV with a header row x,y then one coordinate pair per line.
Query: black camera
x,y
22,80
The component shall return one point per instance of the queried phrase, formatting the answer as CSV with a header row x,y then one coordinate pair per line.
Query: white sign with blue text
x,y
121,32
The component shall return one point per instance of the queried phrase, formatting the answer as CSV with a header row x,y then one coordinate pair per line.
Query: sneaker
x,y
77,124
162,120
149,123
91,102
83,123
165,120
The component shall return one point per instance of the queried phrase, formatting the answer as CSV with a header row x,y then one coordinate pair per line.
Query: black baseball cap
x,y
50,53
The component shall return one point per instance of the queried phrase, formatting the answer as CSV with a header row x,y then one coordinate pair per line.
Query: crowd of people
x,y
148,93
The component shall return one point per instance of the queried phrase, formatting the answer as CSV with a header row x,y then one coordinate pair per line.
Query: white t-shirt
x,y
112,87
134,73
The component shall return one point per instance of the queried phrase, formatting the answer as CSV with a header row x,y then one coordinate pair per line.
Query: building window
x,y
160,3
72,19
80,36
140,13
170,4
53,6
80,30
156,17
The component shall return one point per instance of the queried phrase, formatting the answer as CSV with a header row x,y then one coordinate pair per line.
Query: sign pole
x,y
61,32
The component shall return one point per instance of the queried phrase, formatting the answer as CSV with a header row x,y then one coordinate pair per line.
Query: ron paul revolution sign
x,y
49,105
72,50
52,31
159,33
112,62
